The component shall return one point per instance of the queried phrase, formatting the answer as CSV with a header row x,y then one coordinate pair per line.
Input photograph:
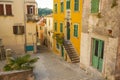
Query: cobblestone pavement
x,y
53,67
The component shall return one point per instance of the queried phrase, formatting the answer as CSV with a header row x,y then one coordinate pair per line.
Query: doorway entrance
x,y
97,53
68,30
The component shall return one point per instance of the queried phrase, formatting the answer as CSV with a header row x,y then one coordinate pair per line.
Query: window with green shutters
x,y
68,4
61,27
55,26
76,30
57,46
62,6
55,7
76,5
94,6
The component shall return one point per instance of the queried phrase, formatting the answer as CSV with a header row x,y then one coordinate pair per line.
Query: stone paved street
x,y
52,67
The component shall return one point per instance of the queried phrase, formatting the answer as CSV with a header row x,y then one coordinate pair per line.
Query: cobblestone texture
x,y
53,67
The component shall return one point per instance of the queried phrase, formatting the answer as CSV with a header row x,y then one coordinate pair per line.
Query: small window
x,y
94,6
76,30
55,26
68,4
30,9
8,9
62,6
1,9
61,27
18,30
76,5
55,7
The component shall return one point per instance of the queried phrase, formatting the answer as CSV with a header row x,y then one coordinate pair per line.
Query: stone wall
x,y
17,75
104,27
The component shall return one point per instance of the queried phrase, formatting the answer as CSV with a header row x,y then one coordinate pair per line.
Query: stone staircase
x,y
71,52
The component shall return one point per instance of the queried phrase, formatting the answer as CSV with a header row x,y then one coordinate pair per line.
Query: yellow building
x,y
67,20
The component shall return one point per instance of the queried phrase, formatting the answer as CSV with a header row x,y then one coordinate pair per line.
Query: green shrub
x,y
20,63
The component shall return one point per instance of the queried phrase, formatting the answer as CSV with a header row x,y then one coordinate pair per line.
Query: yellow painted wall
x,y
59,18
76,18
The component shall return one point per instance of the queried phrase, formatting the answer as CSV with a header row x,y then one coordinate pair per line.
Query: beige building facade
x,y
16,25
49,29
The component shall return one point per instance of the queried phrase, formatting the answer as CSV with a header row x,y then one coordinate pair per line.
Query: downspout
x,y
25,26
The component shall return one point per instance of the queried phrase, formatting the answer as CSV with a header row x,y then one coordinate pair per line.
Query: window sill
x,y
7,15
76,11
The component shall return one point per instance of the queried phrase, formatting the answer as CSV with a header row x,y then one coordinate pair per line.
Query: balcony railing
x,y
33,18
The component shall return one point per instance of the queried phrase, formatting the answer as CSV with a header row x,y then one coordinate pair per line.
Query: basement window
x,y
18,30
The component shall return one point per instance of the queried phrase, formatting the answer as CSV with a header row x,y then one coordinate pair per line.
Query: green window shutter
x,y
94,6
55,7
76,5
57,45
55,26
76,30
61,27
68,4
62,6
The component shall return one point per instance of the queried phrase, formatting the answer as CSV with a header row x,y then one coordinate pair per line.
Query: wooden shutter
x,y
62,6
33,9
61,27
94,6
55,26
1,9
21,28
28,9
55,6
8,9
76,5
76,30
68,4
15,29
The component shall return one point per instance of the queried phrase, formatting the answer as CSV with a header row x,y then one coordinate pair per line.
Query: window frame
x,y
31,9
94,7
76,4
55,8
18,30
68,5
5,11
2,9
62,7
75,34
55,26
61,27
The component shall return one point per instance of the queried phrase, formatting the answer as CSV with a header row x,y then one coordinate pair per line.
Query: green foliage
x,y
20,63
59,37
44,11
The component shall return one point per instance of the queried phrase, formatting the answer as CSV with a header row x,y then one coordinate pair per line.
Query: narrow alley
x,y
52,67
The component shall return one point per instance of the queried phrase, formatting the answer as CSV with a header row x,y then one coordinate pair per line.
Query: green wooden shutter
x,y
76,5
62,6
61,27
76,30
55,26
68,4
55,6
94,6
101,51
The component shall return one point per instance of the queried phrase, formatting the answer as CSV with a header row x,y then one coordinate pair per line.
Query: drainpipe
x,y
25,25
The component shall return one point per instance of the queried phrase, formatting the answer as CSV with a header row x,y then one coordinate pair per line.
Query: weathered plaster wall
x,y
98,27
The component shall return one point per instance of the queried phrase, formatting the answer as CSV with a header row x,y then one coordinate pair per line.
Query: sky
x,y
45,3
